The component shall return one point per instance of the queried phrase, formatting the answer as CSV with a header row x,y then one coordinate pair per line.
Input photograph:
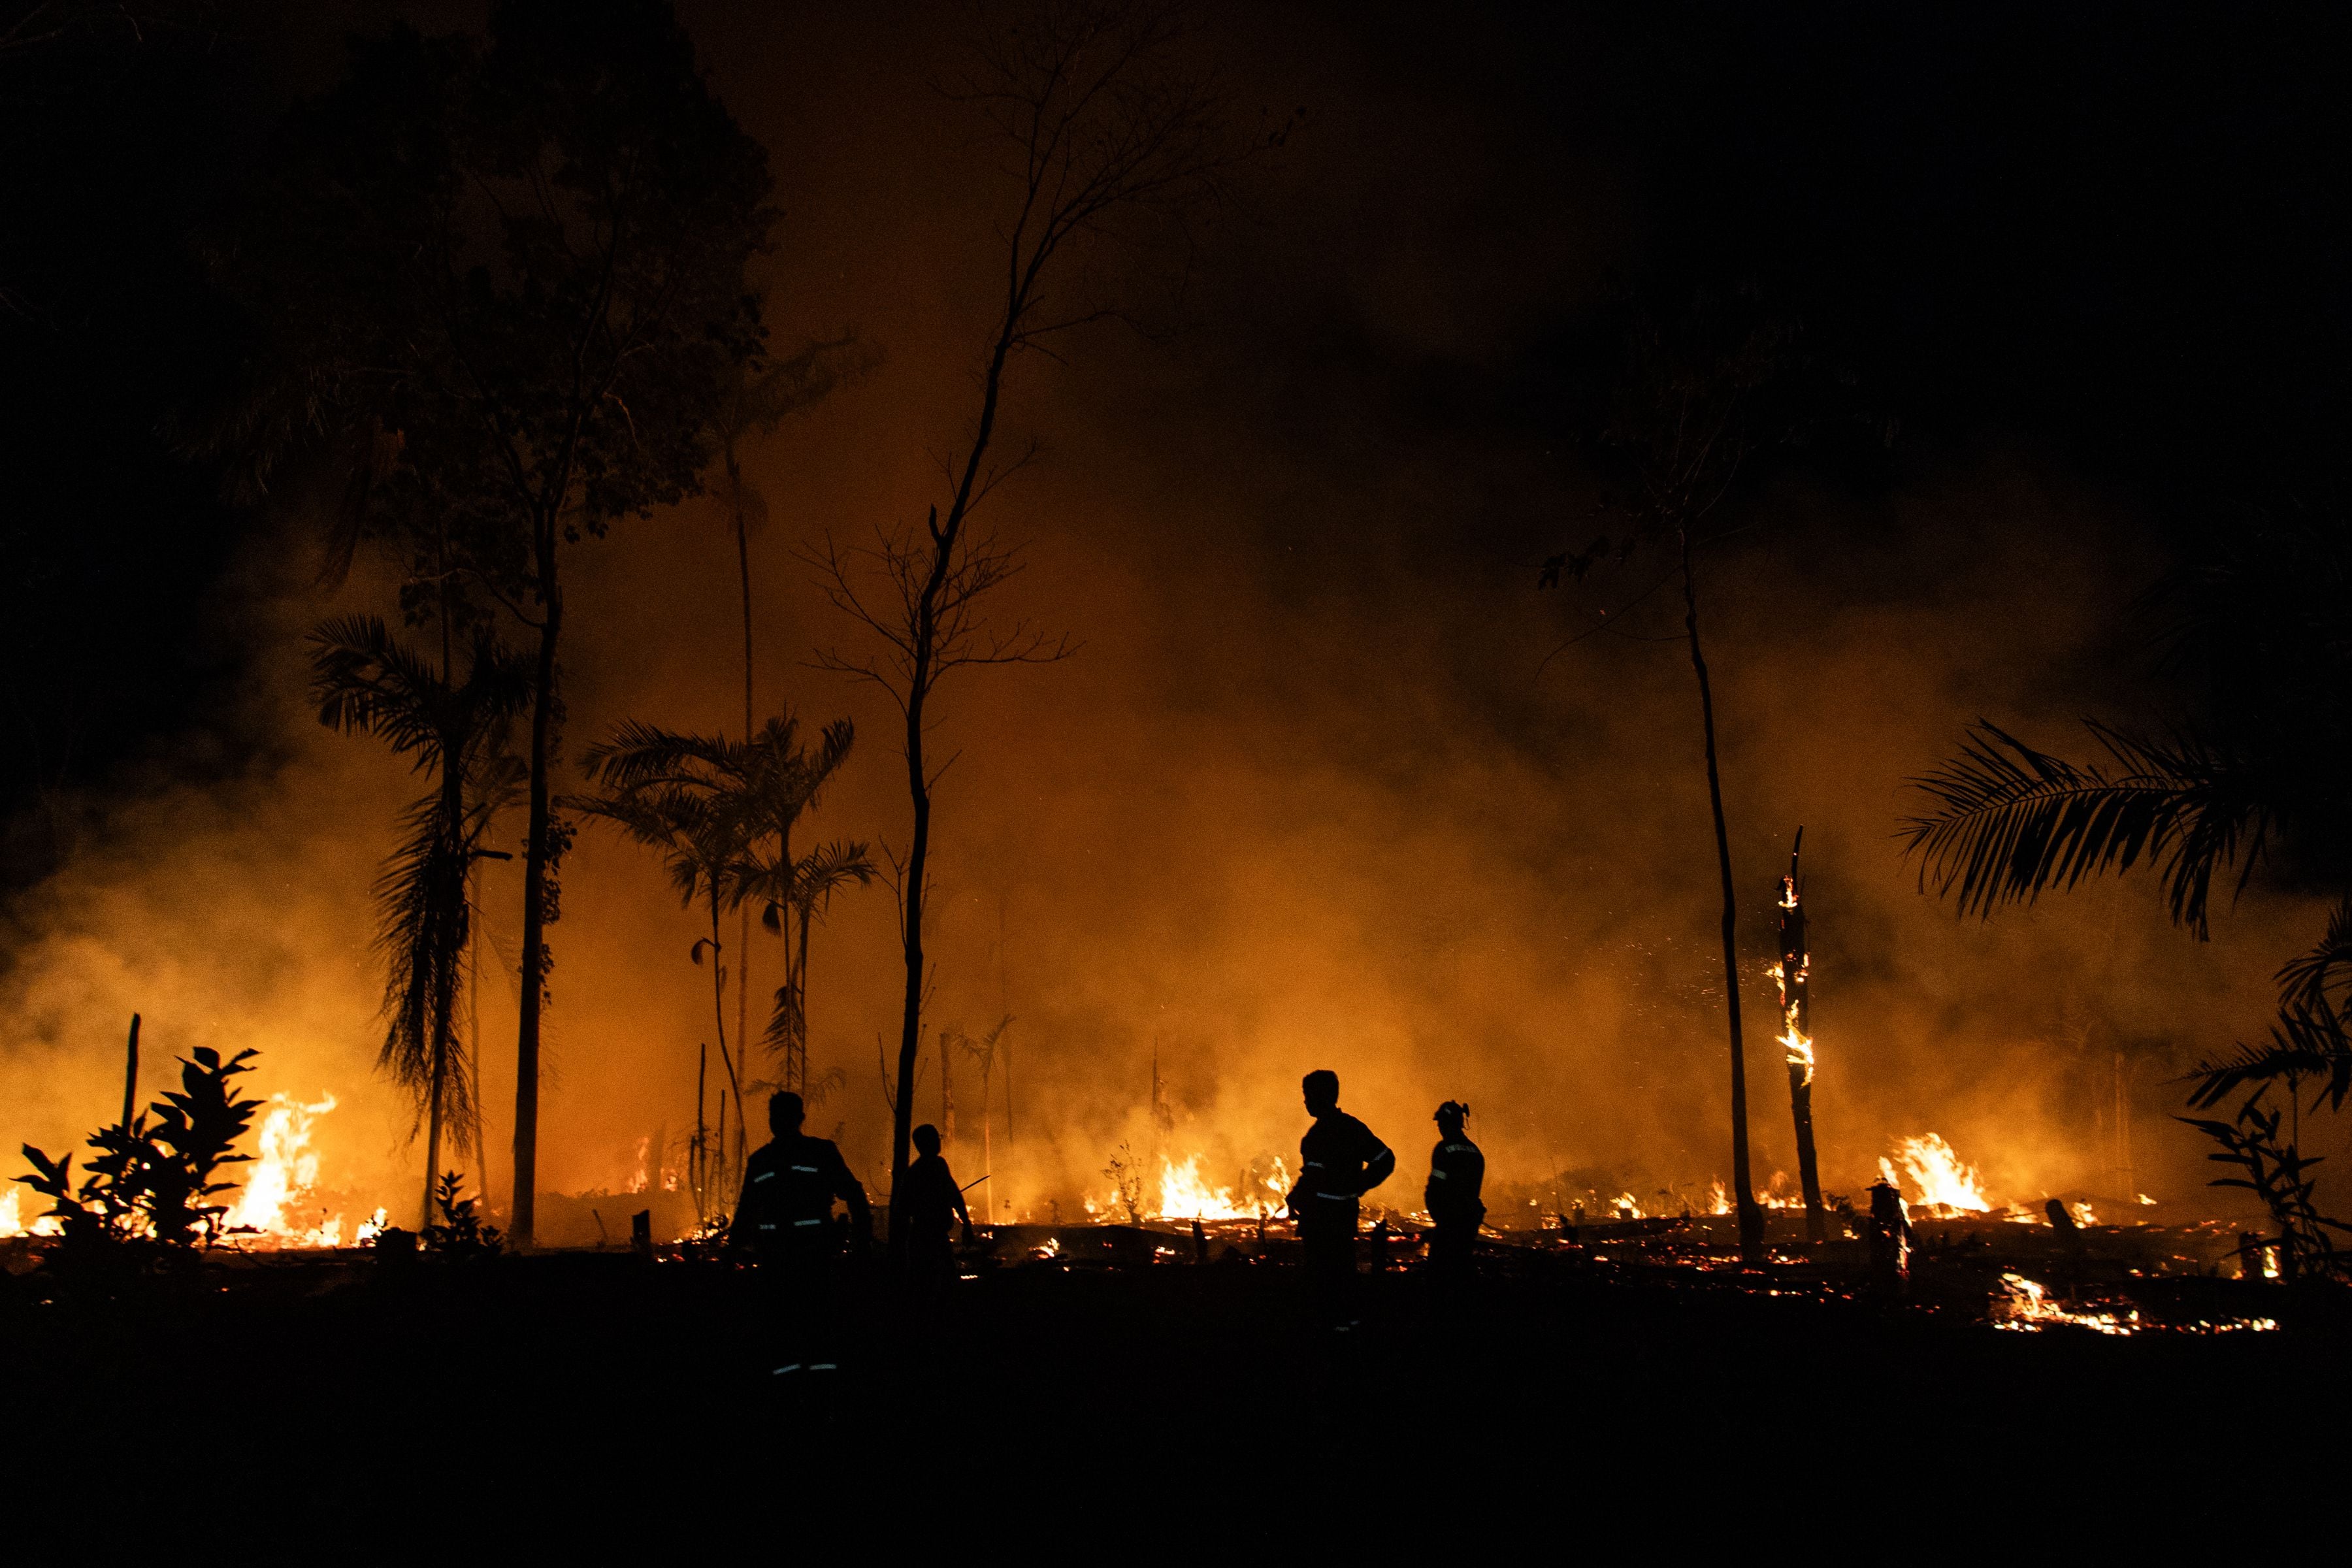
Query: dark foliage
x,y
2276,1172
2250,781
146,1188
459,1232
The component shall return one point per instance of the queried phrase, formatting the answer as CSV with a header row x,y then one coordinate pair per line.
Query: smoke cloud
x,y
1311,793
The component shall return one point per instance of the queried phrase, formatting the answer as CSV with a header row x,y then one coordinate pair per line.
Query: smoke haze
x,y
1310,794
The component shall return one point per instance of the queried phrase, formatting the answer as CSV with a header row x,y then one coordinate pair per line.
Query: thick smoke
x,y
1308,795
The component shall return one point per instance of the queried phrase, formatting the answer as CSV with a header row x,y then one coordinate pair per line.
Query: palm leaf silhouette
x,y
2016,822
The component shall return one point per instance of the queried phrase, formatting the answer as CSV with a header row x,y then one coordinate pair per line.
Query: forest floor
x,y
1179,1387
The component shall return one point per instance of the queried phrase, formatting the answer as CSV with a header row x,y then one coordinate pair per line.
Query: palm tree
x,y
700,847
760,398
2255,781
806,893
722,813
366,681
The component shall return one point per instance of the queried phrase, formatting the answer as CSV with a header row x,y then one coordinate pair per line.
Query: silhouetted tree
x,y
722,814
807,893
505,280
763,394
366,681
1683,417
1103,127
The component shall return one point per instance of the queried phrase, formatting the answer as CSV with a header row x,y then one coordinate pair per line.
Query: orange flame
x,y
1933,1175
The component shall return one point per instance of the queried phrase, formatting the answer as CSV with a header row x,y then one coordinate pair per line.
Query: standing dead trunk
x,y
1751,1218
131,1075
1796,1039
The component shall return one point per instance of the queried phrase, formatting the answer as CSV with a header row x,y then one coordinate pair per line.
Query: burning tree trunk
x,y
1797,1040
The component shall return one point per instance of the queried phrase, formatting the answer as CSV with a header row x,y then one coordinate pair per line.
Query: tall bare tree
x,y
1103,126
1682,421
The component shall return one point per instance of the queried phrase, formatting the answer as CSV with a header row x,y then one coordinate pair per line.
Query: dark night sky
x,y
2099,246
2110,233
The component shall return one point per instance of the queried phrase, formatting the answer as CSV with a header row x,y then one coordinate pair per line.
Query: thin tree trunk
x,y
474,1024
1751,1218
743,565
432,1142
918,850
534,906
453,827
919,676
798,980
735,1084
699,1164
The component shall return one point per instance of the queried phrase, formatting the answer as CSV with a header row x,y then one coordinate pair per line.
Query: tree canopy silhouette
x,y
501,284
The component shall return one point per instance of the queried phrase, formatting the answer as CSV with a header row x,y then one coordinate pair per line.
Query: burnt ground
x,y
1188,1396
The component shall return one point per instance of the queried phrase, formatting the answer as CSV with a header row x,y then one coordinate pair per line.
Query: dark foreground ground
x,y
1188,1400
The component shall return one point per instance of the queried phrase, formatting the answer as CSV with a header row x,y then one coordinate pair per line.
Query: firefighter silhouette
x,y
1457,1172
784,1226
1339,1161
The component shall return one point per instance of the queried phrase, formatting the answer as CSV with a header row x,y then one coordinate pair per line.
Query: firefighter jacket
x,y
1338,1162
1457,1171
789,1188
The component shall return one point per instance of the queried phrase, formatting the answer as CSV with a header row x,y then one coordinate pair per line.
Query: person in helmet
x,y
1457,1172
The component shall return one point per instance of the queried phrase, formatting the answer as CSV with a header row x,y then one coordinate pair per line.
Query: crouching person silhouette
x,y
784,1226
1338,1162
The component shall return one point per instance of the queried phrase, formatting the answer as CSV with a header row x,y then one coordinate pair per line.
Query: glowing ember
x,y
283,1175
1933,1175
2025,1305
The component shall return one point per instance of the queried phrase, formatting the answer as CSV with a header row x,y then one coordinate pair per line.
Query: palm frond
x,y
679,823
424,923
827,869
2015,822
365,680
787,1019
2310,980
2310,1042
640,753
